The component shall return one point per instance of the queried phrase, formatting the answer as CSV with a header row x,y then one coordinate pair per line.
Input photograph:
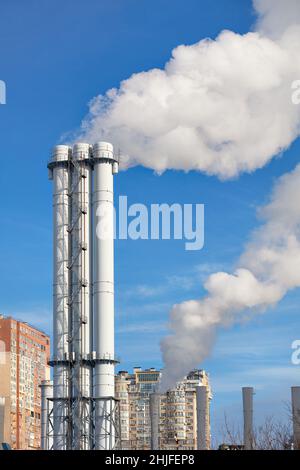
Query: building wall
x,y
178,415
26,365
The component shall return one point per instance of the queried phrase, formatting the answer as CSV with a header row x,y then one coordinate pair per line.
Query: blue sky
x,y
54,57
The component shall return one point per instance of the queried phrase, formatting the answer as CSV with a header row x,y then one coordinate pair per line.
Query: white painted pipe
x,y
296,416
46,408
81,292
60,175
154,410
248,417
202,405
103,289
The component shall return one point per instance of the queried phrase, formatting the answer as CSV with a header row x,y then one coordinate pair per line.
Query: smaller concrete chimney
x,y
46,408
248,417
154,409
202,401
296,416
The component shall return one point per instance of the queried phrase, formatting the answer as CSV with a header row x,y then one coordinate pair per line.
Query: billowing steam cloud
x,y
265,272
270,265
222,107
276,16
219,106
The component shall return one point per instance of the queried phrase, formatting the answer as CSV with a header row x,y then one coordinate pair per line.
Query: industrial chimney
x,y
46,410
296,416
248,417
60,174
103,292
83,296
154,409
202,403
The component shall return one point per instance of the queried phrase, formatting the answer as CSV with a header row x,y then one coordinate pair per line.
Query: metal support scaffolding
x,y
112,432
49,427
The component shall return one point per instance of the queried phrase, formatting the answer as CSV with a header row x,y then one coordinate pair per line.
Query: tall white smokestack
x,y
103,290
46,408
59,172
248,417
296,416
81,280
202,401
154,410
83,305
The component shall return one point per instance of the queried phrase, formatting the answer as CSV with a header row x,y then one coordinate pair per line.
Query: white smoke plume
x,y
222,107
219,106
275,16
265,272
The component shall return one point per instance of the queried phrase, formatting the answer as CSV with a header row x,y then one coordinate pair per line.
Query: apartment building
x,y
24,356
178,414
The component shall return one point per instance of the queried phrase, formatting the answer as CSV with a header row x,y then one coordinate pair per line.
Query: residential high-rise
x,y
178,413
25,352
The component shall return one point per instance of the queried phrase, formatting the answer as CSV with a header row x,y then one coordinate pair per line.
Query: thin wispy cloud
x,y
261,378
39,317
146,327
192,278
142,310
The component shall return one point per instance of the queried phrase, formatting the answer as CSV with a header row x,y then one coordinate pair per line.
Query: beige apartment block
x,y
24,356
178,413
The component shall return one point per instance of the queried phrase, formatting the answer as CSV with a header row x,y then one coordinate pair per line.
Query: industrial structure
x,y
2,420
248,393
87,406
152,420
84,407
154,411
46,412
24,356
203,424
295,391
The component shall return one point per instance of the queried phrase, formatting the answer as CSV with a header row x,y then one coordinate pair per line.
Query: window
x,y
148,377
